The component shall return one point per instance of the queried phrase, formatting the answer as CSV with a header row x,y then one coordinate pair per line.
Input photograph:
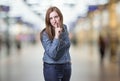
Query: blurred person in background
x,y
8,45
56,43
18,43
74,40
102,47
0,42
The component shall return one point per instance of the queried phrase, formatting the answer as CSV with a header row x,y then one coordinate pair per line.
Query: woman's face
x,y
54,19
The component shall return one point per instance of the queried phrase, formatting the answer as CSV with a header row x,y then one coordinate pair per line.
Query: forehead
x,y
53,13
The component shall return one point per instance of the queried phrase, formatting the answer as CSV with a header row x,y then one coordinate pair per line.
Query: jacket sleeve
x,y
64,41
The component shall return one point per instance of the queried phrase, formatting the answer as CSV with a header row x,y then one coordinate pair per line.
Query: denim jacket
x,y
56,50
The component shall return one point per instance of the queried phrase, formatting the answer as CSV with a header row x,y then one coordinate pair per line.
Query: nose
x,y
54,20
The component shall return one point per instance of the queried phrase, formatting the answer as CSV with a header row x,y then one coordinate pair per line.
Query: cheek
x,y
58,20
51,22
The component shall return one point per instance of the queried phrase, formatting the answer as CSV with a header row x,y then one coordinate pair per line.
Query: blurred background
x,y
94,31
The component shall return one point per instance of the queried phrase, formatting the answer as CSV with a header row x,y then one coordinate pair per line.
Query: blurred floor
x,y
27,65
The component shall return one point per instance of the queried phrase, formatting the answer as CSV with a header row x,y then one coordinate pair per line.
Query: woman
x,y
56,43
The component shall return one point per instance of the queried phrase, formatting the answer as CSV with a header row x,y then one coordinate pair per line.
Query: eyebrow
x,y
54,16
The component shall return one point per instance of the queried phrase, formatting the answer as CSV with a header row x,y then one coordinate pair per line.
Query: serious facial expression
x,y
54,19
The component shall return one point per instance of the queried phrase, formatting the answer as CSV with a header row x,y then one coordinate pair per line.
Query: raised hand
x,y
58,31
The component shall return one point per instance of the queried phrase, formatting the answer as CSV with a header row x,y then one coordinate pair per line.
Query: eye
x,y
50,18
56,16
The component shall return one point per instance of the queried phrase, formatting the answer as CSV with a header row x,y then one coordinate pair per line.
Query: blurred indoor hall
x,y
94,31
86,65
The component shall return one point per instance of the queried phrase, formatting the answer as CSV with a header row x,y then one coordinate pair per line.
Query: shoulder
x,y
43,33
65,27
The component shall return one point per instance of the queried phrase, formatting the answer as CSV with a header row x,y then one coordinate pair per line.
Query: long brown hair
x,y
49,29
